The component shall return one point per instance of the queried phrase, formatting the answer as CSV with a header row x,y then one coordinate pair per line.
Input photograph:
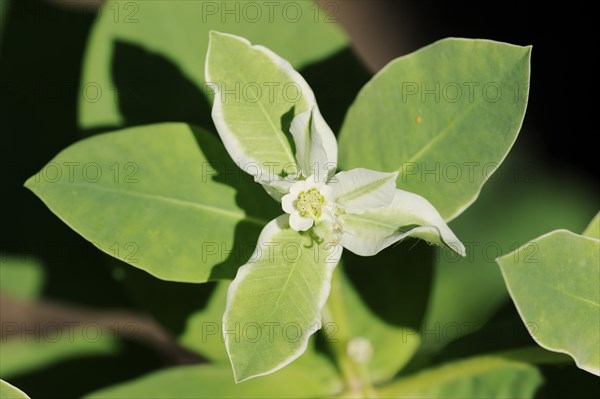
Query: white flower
x,y
324,204
308,202
361,209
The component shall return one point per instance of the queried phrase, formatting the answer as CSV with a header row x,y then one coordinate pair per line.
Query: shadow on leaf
x,y
250,197
151,89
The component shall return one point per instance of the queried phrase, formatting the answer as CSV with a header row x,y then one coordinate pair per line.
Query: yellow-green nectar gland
x,y
309,203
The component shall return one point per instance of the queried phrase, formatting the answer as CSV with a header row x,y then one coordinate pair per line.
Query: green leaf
x,y
164,198
593,229
274,304
444,116
8,391
479,377
467,291
310,376
554,282
21,276
138,68
255,126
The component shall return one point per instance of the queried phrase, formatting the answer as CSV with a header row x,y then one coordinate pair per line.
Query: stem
x,y
355,374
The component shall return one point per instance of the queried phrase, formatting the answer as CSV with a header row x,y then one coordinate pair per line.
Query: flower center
x,y
309,203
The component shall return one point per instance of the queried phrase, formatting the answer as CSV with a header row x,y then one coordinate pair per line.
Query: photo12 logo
x,y
65,331
469,92
89,172
252,12
253,92
272,331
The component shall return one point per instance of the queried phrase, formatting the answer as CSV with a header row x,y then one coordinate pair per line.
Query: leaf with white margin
x,y
252,123
8,391
360,190
274,304
593,229
311,153
554,282
409,215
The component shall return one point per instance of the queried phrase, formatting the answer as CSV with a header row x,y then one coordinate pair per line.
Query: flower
x,y
308,202
361,208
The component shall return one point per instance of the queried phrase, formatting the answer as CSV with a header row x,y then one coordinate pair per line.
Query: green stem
x,y
356,375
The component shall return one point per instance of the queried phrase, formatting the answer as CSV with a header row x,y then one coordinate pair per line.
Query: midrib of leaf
x,y
278,133
437,137
363,190
445,130
280,295
172,200
577,297
366,220
307,149
280,136
287,281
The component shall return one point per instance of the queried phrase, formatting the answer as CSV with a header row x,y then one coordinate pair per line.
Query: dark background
x,y
41,52
557,119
